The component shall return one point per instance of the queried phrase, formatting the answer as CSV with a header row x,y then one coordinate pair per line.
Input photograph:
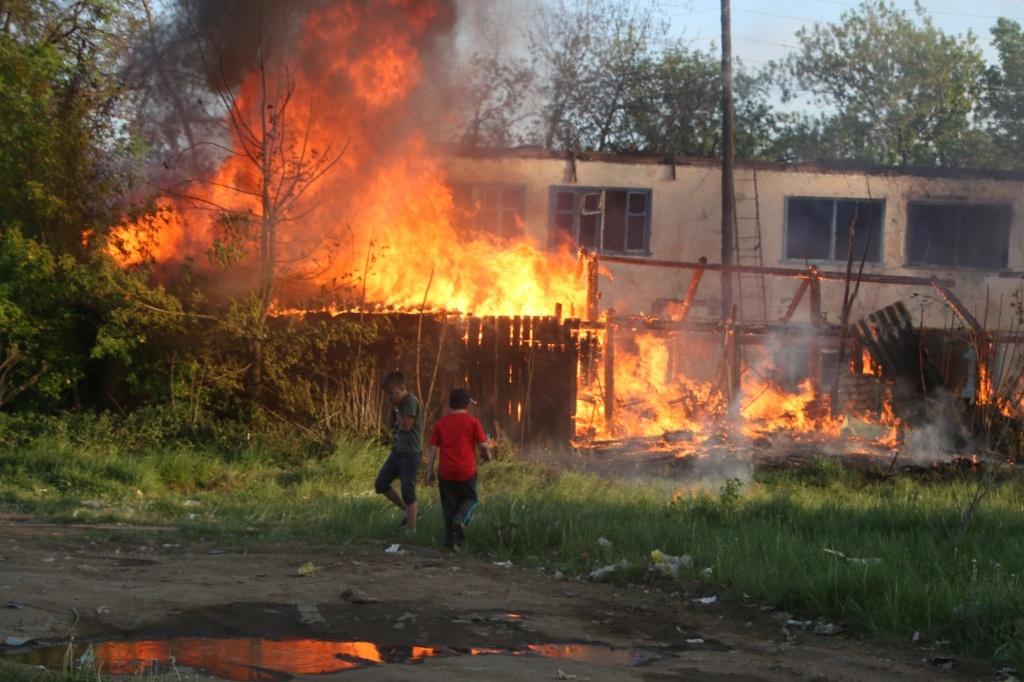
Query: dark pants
x,y
401,465
458,500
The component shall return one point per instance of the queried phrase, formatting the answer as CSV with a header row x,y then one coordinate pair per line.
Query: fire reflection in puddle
x,y
268,659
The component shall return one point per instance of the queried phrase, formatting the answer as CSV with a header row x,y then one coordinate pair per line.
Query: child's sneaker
x,y
458,531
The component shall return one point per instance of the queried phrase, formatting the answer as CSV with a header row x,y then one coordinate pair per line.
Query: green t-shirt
x,y
411,440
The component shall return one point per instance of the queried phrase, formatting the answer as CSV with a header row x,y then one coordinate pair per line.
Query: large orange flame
x,y
380,226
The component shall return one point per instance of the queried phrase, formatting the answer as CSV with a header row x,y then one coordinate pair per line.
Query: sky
x,y
763,30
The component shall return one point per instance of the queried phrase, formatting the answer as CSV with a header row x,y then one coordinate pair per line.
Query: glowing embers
x,y
250,658
669,387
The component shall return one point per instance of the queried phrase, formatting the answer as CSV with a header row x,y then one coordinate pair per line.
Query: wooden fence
x,y
520,370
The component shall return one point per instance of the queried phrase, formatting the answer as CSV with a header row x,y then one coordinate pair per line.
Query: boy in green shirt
x,y
404,461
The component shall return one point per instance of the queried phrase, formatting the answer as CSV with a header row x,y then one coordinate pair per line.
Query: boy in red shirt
x,y
456,435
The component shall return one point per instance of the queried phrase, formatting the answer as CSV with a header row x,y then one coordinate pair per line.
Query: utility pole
x,y
728,196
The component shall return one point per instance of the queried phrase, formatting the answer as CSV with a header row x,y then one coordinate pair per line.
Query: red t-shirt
x,y
456,435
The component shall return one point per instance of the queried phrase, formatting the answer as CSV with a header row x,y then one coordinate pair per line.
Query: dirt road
x,y
247,613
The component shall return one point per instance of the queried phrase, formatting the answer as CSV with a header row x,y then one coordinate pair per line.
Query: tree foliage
x,y
604,77
1005,85
61,320
895,91
60,143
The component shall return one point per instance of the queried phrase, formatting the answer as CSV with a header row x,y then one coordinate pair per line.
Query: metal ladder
x,y
751,289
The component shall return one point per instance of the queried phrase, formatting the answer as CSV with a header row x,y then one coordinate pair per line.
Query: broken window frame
x,y
475,193
580,209
957,250
835,201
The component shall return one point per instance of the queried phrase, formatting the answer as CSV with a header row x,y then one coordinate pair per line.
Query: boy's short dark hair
x,y
459,399
391,380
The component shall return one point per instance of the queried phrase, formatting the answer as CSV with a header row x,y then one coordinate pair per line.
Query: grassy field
x,y
764,539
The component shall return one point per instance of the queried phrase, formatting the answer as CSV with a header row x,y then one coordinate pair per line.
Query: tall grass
x,y
765,539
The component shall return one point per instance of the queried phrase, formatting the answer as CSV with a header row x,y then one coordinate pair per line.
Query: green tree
x,y
60,142
62,319
1005,85
589,56
895,91
677,102
677,105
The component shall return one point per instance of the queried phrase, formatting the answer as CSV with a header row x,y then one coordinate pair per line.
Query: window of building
x,y
958,234
602,219
818,229
491,208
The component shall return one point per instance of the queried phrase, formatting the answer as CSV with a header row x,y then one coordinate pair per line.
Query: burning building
x,y
578,295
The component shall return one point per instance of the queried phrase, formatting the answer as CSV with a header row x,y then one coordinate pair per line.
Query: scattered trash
x,y
706,572
827,629
503,564
559,575
599,573
864,561
307,570
604,542
943,662
916,637
706,601
102,610
310,614
562,675
395,549
668,565
357,597
13,640
14,605
695,640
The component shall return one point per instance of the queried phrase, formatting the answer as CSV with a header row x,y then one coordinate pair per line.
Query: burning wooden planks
x,y
918,390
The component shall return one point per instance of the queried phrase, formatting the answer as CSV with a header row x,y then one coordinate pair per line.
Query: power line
x,y
929,11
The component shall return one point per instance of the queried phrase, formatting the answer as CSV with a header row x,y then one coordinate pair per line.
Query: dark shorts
x,y
401,465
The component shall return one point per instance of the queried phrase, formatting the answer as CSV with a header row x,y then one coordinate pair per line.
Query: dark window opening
x,y
818,229
495,209
959,234
605,220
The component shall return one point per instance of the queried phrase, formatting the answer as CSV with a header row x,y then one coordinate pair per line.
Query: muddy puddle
x,y
250,658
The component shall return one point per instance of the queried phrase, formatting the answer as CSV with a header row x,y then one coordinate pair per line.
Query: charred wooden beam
x,y
953,302
656,324
609,371
814,346
775,272
797,296
593,290
691,291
